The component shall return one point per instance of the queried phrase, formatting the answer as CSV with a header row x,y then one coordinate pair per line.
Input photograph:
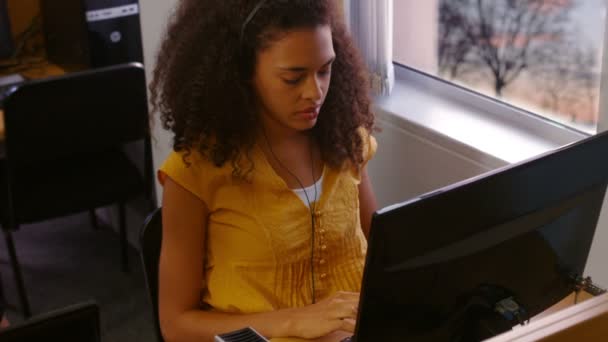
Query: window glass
x,y
540,55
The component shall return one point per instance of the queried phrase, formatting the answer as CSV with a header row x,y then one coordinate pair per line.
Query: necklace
x,y
311,208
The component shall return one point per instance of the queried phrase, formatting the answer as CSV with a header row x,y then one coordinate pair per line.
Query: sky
x,y
590,16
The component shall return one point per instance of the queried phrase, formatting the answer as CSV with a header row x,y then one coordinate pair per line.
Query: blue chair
x,y
76,323
65,151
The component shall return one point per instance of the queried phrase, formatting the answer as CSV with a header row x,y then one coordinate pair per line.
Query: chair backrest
x,y
76,323
75,113
150,239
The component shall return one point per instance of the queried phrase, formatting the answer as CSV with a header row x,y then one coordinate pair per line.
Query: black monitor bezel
x,y
6,38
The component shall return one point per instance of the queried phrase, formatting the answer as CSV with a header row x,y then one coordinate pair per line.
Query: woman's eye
x,y
292,80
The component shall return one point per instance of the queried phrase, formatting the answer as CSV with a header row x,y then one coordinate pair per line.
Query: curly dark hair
x,y
202,82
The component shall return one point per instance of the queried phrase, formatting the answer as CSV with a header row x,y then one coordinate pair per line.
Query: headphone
x,y
311,208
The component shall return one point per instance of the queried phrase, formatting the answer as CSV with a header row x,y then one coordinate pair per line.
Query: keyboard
x,y
6,82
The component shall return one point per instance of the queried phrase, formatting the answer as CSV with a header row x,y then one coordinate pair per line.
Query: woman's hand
x,y
337,312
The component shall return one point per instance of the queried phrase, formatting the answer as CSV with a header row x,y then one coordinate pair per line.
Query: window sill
x,y
500,133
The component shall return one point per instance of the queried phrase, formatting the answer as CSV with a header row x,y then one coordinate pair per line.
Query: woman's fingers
x,y
348,325
345,309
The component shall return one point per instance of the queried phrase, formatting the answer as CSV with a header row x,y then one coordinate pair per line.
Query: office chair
x,y
150,238
76,323
64,148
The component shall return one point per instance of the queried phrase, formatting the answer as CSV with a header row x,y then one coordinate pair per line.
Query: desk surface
x,y
1,126
35,70
584,322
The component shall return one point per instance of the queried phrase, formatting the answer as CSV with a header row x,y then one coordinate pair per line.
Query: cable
x,y
311,208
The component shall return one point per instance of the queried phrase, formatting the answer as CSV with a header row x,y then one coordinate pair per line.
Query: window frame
x,y
520,117
417,97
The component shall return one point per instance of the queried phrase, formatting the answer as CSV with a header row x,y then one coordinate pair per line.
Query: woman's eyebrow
x,y
301,69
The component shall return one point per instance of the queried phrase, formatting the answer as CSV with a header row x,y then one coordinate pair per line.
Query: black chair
x,y
76,323
65,150
150,239
3,304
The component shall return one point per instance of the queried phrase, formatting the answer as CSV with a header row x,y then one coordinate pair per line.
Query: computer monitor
x,y
6,38
471,260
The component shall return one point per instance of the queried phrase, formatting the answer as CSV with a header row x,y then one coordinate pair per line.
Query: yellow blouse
x,y
258,245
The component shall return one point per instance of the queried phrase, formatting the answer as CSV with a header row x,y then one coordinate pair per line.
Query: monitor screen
x,y
6,39
472,260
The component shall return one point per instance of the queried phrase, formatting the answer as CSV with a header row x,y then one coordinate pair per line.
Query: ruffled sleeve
x,y
370,145
369,150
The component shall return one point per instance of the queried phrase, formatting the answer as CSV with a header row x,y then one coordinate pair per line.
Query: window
x,y
540,55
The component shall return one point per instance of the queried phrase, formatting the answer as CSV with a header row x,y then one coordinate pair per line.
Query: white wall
x,y
154,14
412,160
598,257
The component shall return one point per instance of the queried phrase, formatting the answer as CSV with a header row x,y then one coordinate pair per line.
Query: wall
x,y
412,160
598,257
426,160
432,161
153,16
596,267
21,13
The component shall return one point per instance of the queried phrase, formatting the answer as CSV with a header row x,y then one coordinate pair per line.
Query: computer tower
x,y
6,39
96,33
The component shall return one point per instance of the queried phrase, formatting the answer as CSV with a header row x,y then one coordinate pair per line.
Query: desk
x,y
587,321
566,303
33,68
1,126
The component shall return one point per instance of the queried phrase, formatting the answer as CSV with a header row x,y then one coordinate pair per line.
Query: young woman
x,y
266,201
